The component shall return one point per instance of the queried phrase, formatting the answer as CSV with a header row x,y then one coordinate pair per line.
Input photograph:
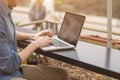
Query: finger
x,y
50,41
49,38
50,33
46,37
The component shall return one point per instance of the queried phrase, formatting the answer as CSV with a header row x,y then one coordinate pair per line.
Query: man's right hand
x,y
42,41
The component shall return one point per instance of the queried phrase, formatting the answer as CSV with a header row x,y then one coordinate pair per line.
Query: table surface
x,y
89,56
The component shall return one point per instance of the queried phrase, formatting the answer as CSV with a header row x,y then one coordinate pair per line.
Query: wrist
x,y
32,47
35,45
32,37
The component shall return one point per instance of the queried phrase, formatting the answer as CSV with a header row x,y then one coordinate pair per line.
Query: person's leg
x,y
34,72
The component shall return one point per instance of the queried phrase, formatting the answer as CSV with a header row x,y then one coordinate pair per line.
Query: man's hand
x,y
42,41
43,33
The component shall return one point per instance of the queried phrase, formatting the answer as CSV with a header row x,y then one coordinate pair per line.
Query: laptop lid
x,y
71,28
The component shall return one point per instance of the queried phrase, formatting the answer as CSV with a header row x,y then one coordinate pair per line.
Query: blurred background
x,y
94,10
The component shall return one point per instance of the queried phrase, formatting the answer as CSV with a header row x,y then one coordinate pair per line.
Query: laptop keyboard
x,y
58,43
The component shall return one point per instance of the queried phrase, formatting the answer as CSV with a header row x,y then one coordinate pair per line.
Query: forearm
x,y
24,36
26,52
38,43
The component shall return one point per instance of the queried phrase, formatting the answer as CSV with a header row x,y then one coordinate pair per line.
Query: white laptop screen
x,y
71,28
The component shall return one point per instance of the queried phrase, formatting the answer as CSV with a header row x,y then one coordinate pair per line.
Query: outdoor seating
x,y
44,24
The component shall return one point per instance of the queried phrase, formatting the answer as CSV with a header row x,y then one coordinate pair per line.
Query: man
x,y
50,10
37,12
10,59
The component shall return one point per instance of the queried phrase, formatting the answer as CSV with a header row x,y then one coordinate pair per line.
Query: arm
x,y
26,36
9,59
40,39
38,43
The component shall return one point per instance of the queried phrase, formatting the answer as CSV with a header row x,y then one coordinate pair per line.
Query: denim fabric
x,y
9,60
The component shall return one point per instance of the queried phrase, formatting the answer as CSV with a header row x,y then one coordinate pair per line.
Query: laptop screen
x,y
71,28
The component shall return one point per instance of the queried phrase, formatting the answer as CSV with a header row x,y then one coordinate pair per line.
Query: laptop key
x,y
58,43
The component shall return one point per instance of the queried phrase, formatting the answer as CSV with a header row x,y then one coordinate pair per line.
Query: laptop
x,y
69,33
